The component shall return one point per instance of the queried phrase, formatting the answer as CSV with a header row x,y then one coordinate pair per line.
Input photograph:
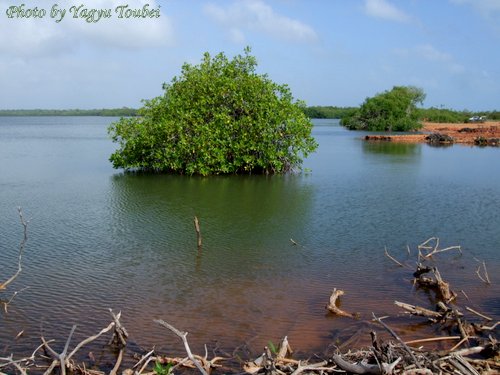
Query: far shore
x,y
463,133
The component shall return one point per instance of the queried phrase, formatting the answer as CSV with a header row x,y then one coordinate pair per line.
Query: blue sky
x,y
330,52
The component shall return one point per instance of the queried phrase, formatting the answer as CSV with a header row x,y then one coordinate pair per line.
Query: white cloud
x,y
430,53
44,37
488,9
485,7
256,15
384,9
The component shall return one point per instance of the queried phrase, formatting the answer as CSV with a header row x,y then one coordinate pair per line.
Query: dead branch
x,y
478,313
120,334
356,368
90,339
332,306
284,349
490,328
444,287
435,249
433,339
393,259
24,223
63,359
144,358
321,366
6,304
486,278
408,350
198,232
420,311
183,335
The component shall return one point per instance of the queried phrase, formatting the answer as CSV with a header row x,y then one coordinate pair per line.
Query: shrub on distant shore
x,y
393,110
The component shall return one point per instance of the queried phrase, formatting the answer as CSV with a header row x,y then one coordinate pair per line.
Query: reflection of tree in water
x,y
246,223
240,216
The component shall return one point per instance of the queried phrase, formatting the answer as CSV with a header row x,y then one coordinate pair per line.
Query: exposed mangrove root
x,y
332,305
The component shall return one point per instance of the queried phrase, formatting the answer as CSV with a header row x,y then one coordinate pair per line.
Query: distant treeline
x,y
118,112
432,114
330,112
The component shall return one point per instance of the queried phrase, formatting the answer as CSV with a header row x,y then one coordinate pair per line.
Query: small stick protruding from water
x,y
198,232
486,278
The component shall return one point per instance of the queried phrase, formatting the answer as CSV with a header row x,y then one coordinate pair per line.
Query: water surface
x,y
99,238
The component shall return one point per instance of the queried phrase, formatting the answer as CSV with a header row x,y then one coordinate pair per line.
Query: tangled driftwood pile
x,y
476,352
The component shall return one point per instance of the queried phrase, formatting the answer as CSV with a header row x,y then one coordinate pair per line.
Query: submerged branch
x,y
24,223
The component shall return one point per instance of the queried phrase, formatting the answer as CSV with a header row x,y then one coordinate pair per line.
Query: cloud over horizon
x,y
257,16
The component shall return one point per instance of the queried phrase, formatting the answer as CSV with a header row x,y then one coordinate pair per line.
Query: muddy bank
x,y
480,134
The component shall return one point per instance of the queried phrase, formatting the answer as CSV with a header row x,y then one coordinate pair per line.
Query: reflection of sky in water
x,y
100,238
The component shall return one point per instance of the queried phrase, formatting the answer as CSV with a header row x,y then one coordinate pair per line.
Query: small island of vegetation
x,y
218,117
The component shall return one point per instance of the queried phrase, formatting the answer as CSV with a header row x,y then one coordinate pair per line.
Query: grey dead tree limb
x,y
183,336
22,245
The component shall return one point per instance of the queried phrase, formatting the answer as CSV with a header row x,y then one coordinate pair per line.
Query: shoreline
x,y
481,134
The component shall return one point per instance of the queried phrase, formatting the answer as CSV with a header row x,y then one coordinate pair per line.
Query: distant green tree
x,y
218,117
329,112
393,110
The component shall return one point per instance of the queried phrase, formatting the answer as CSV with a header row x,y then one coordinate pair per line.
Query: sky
x,y
330,52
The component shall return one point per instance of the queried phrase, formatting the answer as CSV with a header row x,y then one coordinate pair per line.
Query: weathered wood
x,y
332,305
198,231
183,336
356,368
419,311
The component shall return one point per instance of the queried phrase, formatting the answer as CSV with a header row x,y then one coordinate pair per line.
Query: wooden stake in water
x,y
197,229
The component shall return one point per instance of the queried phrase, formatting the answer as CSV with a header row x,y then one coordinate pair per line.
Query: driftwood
x,y
445,294
434,316
332,305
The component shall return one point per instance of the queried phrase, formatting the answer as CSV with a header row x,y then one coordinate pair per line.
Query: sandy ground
x,y
461,133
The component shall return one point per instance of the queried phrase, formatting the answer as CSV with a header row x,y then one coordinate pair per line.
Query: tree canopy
x,y
218,117
394,110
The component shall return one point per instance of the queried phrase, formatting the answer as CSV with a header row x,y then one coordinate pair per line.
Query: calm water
x,y
99,238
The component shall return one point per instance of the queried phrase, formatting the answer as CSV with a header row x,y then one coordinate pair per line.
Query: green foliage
x,y
272,347
434,114
393,110
162,369
218,117
117,112
329,112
